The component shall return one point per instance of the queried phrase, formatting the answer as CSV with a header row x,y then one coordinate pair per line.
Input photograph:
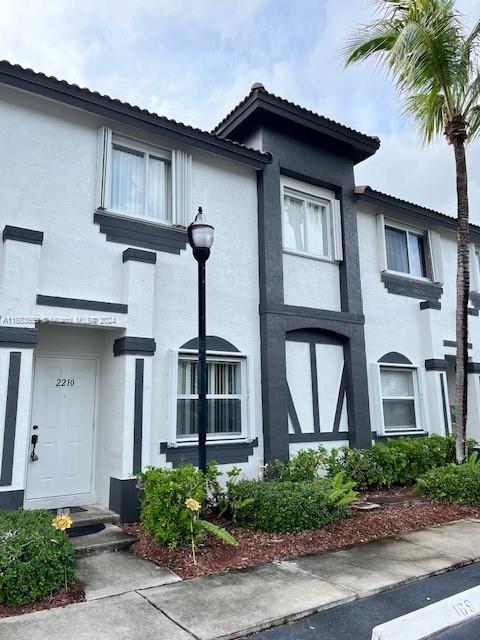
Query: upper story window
x,y
143,181
311,220
407,250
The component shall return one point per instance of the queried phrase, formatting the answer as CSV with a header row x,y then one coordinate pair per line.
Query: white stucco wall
x,y
48,173
310,282
396,323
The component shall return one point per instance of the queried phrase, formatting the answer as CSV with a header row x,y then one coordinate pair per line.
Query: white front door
x,y
63,411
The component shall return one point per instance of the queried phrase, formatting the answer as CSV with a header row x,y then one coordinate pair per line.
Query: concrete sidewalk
x,y
236,604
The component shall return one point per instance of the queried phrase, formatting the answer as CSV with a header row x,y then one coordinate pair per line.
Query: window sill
x,y
417,433
222,452
411,287
310,256
144,219
141,232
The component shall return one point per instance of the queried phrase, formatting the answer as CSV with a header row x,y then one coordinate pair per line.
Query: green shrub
x,y
398,461
304,466
291,506
35,558
453,483
163,493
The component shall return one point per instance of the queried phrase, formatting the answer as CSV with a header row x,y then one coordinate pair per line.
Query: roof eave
x,y
402,207
110,108
363,146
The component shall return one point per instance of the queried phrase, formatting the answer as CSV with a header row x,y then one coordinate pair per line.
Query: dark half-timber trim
x,y
131,345
400,286
453,344
141,234
473,367
138,415
18,338
220,452
78,303
137,255
11,500
435,364
22,235
444,403
332,436
124,499
10,419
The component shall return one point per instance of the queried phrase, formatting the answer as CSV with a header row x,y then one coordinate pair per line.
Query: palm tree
x,y
435,66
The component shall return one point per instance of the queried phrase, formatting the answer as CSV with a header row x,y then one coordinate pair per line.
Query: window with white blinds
x,y
311,221
141,181
399,390
225,397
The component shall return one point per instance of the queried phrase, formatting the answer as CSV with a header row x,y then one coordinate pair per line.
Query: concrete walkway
x,y
153,603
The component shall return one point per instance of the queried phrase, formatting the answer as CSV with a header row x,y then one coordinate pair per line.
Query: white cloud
x,y
193,60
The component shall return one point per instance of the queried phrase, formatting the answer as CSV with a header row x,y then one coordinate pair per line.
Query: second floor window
x,y
141,183
311,221
407,251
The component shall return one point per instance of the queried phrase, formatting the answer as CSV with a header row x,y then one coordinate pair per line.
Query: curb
x,y
432,619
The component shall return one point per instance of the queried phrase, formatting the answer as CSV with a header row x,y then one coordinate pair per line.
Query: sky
x,y
194,60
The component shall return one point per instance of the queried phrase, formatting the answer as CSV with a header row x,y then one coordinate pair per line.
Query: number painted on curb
x,y
463,608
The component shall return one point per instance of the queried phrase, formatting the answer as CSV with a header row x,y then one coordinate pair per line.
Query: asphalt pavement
x,y
356,620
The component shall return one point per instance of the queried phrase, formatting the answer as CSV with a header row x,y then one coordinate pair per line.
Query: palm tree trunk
x,y
463,293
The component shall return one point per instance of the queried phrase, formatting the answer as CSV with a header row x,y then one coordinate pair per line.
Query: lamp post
x,y
200,237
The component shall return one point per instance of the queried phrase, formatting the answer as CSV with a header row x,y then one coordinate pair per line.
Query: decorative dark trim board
x,y
334,436
431,304
138,415
138,255
141,234
11,500
393,357
222,453
10,419
435,364
124,499
214,343
18,338
453,344
400,286
473,367
131,345
22,235
78,303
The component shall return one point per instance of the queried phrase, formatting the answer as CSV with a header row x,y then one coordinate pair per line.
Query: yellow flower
x,y
192,504
62,522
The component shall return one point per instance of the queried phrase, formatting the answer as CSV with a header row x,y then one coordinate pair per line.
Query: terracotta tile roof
x,y
259,90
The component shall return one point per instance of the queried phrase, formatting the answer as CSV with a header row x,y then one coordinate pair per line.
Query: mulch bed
x,y
258,547
59,598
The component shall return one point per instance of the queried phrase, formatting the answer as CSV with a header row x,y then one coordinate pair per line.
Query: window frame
x,y
417,399
112,140
475,267
311,193
408,229
246,397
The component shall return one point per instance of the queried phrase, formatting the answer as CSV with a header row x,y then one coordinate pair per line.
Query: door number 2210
x,y
65,382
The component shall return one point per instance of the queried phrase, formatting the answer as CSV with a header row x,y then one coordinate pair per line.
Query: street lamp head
x,y
200,236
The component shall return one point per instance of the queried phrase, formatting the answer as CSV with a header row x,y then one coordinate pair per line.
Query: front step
x,y
111,538
93,514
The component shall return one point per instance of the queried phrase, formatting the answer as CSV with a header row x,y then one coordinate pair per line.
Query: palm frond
x,y
474,123
427,110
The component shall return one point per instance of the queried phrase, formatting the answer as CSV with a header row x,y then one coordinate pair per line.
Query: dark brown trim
x,y
78,303
10,419
137,255
18,338
222,453
22,235
324,436
138,415
132,345
435,364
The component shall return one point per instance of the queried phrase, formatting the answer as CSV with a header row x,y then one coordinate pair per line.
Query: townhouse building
x,y
330,307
